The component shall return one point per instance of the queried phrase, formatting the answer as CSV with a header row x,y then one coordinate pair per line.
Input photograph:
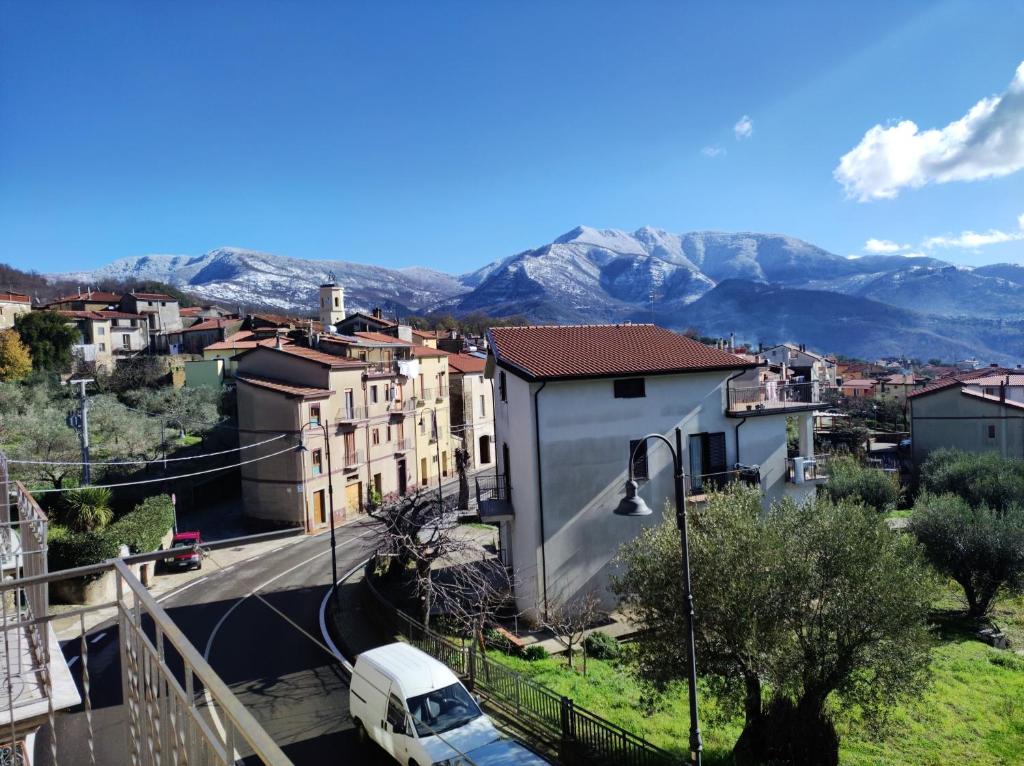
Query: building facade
x,y
977,411
571,404
367,407
162,313
472,408
11,306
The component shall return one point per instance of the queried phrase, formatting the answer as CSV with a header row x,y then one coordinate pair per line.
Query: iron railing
x,y
803,470
352,458
175,708
583,737
493,487
773,396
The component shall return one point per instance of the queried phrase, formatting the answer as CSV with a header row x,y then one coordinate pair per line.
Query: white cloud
x,y
883,246
987,142
974,239
712,151
744,128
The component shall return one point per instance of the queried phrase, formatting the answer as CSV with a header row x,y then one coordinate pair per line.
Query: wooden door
x,y
354,497
319,509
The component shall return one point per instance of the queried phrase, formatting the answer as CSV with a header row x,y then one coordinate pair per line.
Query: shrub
x,y
497,640
980,479
601,646
143,528
848,479
87,509
535,652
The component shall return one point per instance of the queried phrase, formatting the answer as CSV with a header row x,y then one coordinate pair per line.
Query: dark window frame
x,y
641,470
629,388
503,386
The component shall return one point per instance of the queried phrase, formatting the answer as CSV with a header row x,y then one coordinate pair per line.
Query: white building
x,y
571,402
11,305
815,368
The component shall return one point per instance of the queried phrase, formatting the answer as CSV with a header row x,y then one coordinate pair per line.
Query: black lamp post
x,y
437,442
633,505
330,494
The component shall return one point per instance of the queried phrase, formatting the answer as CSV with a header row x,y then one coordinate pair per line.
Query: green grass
x,y
901,514
972,711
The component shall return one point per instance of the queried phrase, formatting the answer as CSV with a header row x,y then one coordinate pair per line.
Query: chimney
x,y
1002,392
277,340
378,313
732,342
79,291
760,347
405,333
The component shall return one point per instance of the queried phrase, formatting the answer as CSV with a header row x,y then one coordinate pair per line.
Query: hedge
x,y
140,529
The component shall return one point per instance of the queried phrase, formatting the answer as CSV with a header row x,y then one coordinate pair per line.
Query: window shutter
x,y
717,461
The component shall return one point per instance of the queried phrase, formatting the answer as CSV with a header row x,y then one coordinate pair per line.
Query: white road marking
x,y
72,660
97,638
323,616
182,589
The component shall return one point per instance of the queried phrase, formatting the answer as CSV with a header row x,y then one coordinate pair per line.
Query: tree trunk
x,y
752,706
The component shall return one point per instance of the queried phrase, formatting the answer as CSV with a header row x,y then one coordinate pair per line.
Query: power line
x,y
163,478
148,462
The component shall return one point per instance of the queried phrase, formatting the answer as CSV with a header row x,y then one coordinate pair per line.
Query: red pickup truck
x,y
190,557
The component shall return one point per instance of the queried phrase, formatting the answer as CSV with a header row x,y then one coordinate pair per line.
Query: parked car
x,y
187,559
416,709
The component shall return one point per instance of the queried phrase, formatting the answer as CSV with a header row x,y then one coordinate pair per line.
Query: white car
x,y
416,709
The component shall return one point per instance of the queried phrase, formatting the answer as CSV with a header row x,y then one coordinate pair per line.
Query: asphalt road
x,y
273,660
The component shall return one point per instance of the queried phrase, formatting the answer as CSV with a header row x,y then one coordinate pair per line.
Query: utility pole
x,y
81,424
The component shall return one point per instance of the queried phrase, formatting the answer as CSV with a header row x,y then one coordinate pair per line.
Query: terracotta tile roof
x,y
381,320
378,337
587,351
992,399
96,296
8,297
466,363
941,384
153,296
279,386
242,341
327,360
190,311
118,314
859,383
211,324
1010,379
427,351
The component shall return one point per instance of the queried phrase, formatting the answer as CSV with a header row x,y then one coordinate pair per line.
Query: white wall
x,y
585,433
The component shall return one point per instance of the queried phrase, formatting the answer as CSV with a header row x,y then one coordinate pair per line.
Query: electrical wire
x,y
147,462
162,478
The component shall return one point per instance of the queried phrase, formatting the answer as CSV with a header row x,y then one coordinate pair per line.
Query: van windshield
x,y
442,710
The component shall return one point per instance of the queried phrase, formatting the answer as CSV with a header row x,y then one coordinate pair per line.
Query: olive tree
x,y
795,607
979,547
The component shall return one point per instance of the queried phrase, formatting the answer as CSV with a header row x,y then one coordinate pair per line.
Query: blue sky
x,y
451,134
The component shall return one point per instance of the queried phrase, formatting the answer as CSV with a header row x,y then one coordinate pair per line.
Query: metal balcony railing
x,y
805,470
353,414
702,483
352,458
494,498
402,445
773,396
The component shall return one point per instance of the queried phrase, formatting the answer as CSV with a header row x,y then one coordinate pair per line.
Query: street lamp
x,y
633,505
330,494
437,441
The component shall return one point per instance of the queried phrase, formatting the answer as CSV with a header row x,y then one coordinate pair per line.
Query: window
x,y
318,462
707,460
373,395
375,436
991,432
103,347
388,433
442,710
101,330
396,715
639,458
503,386
314,414
350,404
126,341
990,392
483,406
388,393
335,301
629,388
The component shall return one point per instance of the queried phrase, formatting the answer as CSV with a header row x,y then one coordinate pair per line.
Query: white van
x,y
417,710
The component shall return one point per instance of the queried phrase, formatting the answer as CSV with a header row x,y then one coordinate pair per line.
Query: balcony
x,y
402,445
438,394
352,459
772,398
494,498
806,470
353,414
381,370
701,484
402,406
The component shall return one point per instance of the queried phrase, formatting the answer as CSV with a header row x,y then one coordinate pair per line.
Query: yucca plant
x,y
87,509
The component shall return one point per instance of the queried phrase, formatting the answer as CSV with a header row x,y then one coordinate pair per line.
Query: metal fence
x,y
583,737
773,395
174,707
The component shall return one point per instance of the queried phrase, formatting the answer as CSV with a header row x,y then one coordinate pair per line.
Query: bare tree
x,y
462,461
568,619
415,535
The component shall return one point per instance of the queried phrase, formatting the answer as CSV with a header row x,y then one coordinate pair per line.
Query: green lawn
x,y
972,711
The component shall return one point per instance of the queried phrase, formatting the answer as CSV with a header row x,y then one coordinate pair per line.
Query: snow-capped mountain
x,y
232,275
678,280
